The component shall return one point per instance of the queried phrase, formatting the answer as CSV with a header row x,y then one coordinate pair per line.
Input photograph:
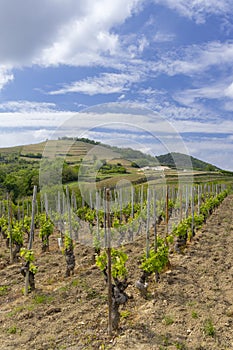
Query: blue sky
x,y
60,60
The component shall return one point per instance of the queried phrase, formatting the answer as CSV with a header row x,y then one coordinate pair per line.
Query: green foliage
x,y
170,239
184,227
171,204
82,211
209,328
156,260
29,257
101,261
119,259
125,314
112,169
168,320
26,224
17,233
46,227
69,173
116,222
90,216
68,242
42,299
198,220
27,254
194,314
19,179
12,330
181,229
3,223
3,290
211,203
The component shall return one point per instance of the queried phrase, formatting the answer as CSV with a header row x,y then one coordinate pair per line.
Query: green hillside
x,y
184,161
76,150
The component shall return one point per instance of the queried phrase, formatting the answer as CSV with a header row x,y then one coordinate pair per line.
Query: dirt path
x,y
191,308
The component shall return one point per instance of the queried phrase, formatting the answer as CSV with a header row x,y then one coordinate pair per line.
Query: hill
x,y
74,150
184,161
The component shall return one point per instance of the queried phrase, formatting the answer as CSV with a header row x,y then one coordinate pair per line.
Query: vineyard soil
x,y
190,308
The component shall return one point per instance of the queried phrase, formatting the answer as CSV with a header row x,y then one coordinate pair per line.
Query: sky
x,y
156,75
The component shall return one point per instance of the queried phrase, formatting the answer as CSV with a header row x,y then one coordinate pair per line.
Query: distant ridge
x,y
184,161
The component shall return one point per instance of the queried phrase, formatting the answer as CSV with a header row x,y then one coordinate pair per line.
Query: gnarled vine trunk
x,y
70,261
24,269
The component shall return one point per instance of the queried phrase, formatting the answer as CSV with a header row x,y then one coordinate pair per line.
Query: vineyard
x,y
120,268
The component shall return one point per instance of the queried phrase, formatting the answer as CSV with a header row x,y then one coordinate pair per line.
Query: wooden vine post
x,y
148,224
192,209
10,227
187,202
155,230
167,211
121,199
155,217
141,198
97,221
181,204
69,211
31,237
132,202
68,240
59,213
198,199
105,218
109,264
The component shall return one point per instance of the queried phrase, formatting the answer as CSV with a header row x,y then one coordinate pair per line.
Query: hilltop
x,y
184,161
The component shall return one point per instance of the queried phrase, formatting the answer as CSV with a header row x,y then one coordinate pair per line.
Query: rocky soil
x,y
190,308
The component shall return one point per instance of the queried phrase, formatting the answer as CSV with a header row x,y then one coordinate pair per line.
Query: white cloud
x,y
29,26
198,10
106,83
54,32
192,126
34,120
166,105
189,96
195,59
121,97
161,37
229,91
26,106
88,39
177,113
143,43
5,76
221,91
